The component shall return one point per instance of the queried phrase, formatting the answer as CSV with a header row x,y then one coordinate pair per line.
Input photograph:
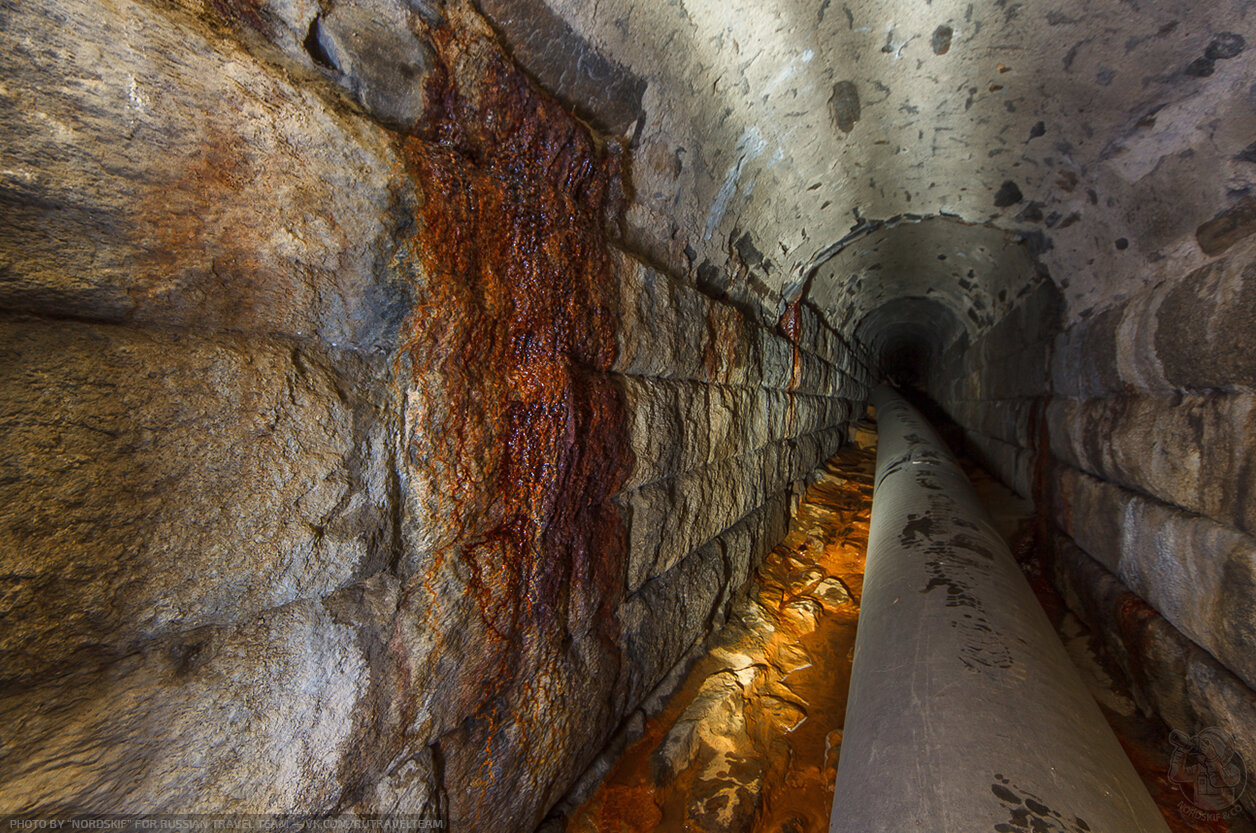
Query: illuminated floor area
x,y
750,740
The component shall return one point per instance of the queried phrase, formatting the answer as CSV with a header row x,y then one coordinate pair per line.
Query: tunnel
x,y
403,400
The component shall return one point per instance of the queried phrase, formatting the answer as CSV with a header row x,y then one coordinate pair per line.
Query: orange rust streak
x,y
515,319
790,325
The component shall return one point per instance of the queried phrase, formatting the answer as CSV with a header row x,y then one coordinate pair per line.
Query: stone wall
x,y
994,385
355,463
1132,426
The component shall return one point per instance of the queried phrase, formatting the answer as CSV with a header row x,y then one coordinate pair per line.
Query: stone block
x,y
673,426
668,518
174,180
659,332
1169,674
664,616
263,712
157,482
1011,464
1197,574
377,56
1184,335
1090,512
599,89
1192,451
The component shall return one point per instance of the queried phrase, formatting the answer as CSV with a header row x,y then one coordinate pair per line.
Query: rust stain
x,y
1031,549
190,254
1040,437
1133,616
251,13
790,326
1031,545
515,324
720,351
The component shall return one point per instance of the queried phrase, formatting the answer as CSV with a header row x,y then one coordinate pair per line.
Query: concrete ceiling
x,y
772,140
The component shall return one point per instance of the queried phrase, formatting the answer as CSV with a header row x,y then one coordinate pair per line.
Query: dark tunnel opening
x,y
907,338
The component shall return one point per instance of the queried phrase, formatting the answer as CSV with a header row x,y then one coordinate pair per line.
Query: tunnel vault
x,y
397,392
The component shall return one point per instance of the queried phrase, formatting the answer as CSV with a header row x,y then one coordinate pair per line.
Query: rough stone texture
x,y
357,460
1042,215
1187,450
1227,228
384,65
104,560
1170,675
1189,334
267,705
750,737
201,494
1137,444
1199,575
345,369
1099,122
597,88
149,164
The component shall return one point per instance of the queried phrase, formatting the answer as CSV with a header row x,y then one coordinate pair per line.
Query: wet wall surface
x,y
344,368
358,463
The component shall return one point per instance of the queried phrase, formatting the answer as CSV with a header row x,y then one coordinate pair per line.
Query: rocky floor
x,y
750,739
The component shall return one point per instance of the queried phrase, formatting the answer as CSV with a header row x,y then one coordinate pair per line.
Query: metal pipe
x,y
965,713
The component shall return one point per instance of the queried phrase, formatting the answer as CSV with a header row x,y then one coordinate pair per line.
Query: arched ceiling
x,y
768,134
976,272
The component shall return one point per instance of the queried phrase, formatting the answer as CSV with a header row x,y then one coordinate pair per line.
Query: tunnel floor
x,y
749,740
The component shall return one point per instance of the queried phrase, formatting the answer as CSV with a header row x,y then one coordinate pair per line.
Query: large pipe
x,y
965,713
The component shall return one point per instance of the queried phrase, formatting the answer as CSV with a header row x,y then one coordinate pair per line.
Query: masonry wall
x,y
354,463
1133,427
